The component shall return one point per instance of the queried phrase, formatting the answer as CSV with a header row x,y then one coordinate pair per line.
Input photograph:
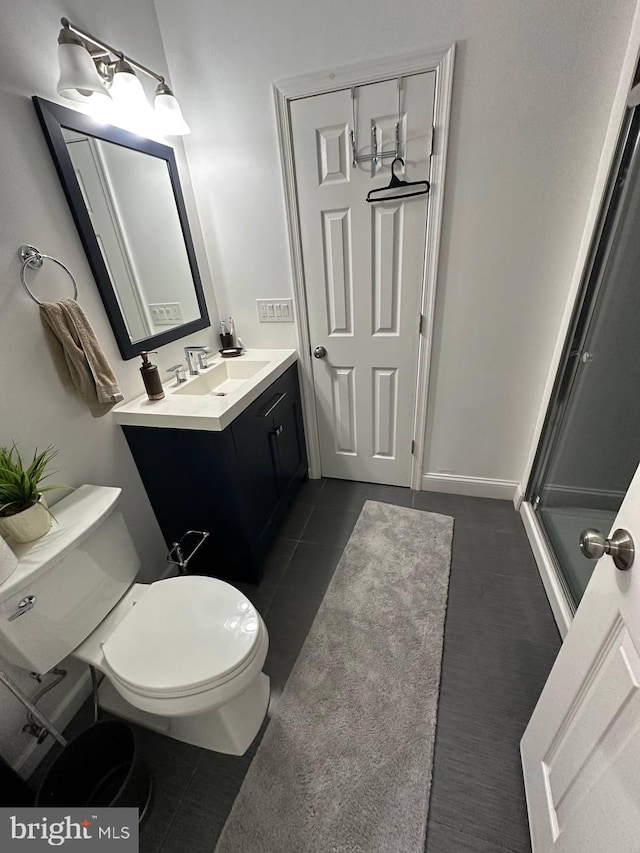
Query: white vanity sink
x,y
214,398
222,378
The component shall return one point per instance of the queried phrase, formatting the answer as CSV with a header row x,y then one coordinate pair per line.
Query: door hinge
x,y
413,447
536,502
433,136
420,323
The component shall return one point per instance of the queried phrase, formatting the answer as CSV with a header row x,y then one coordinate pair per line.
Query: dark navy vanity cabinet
x,y
237,483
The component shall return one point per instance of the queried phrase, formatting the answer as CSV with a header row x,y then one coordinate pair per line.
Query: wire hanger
x,y
399,185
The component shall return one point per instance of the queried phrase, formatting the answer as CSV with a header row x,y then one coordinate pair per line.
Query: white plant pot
x,y
30,524
8,561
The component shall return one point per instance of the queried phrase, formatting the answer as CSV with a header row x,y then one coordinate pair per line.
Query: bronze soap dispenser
x,y
151,377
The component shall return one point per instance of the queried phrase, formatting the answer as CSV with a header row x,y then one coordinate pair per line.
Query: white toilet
x,y
182,656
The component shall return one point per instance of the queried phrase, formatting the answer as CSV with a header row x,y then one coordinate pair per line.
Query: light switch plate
x,y
275,310
166,313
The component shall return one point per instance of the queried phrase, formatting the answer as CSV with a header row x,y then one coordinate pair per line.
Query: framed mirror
x,y
125,196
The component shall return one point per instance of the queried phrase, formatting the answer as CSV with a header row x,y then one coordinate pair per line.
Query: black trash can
x,y
14,791
100,767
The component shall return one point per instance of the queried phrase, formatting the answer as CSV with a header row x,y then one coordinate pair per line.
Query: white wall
x,y
533,89
35,409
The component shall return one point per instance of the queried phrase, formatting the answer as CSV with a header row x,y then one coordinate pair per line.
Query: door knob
x,y
319,352
620,547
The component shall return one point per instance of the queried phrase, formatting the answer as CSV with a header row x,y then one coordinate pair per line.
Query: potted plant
x,y
24,515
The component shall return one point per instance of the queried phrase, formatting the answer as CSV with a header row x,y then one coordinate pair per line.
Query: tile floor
x,y
500,643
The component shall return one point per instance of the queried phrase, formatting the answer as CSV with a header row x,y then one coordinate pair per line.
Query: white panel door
x,y
363,269
581,749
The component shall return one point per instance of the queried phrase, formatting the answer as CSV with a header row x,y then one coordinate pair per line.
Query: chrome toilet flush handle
x,y
24,605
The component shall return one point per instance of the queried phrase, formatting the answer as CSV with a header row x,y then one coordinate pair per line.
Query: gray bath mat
x,y
345,763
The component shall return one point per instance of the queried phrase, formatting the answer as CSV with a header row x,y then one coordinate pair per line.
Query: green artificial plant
x,y
19,486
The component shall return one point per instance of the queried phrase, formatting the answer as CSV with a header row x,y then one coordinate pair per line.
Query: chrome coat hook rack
x,y
34,259
375,155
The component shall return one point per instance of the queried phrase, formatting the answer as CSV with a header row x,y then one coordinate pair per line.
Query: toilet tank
x,y
77,573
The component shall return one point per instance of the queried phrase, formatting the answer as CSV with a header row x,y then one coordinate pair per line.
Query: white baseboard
x,y
475,487
61,716
555,593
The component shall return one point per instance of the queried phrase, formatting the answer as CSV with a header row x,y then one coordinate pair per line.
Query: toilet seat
x,y
184,636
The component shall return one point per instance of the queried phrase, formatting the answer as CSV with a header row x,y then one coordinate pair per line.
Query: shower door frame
x,y
587,299
609,220
601,223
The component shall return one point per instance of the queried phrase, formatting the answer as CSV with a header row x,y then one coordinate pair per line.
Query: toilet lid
x,y
183,634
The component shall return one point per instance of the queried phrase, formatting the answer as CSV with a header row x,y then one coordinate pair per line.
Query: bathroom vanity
x,y
223,452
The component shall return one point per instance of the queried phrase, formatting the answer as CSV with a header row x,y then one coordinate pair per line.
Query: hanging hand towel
x,y
88,367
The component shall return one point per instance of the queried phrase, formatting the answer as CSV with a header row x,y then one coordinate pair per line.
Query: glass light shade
x,y
126,89
170,119
100,107
131,107
79,78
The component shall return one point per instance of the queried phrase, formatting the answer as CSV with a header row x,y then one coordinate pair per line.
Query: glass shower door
x,y
591,445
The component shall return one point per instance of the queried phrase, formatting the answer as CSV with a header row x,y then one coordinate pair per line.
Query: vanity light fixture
x,y
126,88
88,73
168,112
130,106
79,78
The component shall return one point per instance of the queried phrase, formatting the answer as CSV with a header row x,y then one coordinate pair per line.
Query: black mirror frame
x,y
53,118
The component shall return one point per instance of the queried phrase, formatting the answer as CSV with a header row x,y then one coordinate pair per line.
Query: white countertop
x,y
205,411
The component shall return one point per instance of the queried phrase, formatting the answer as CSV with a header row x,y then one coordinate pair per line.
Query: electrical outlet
x,y
275,310
166,313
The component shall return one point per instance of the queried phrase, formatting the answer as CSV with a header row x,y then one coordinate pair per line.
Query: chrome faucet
x,y
197,359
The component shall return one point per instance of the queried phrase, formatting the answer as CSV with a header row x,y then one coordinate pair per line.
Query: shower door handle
x,y
620,547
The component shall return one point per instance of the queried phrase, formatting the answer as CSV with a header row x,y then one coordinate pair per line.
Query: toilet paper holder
x,y
176,555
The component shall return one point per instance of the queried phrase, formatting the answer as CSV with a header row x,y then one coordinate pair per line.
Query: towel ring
x,y
34,259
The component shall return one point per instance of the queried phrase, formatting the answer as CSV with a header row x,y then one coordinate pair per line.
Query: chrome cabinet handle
x,y
319,352
24,605
620,547
272,407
